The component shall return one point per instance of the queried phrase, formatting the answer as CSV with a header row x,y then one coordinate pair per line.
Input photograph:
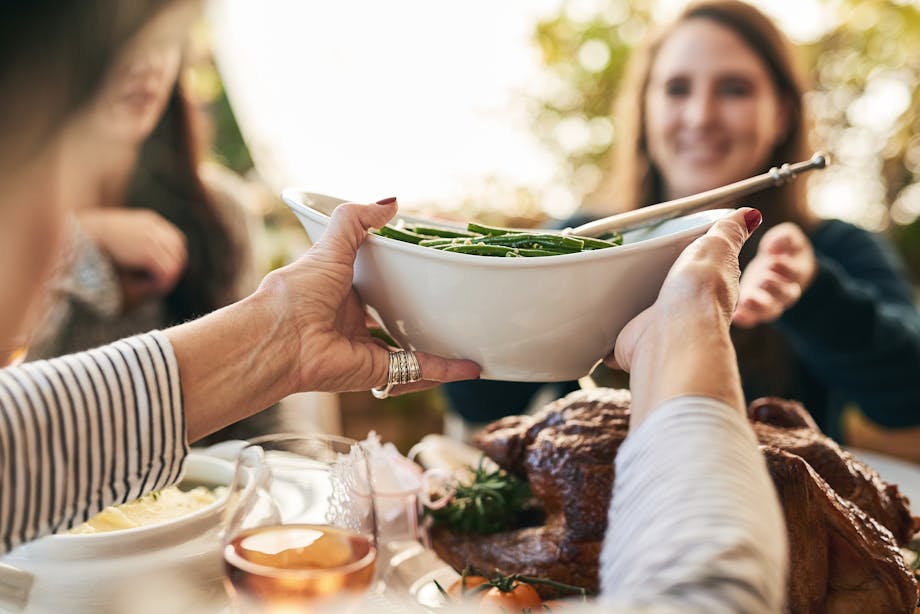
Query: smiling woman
x,y
712,109
716,96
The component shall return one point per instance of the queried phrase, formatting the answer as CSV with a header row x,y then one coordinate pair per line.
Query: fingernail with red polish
x,y
752,219
387,201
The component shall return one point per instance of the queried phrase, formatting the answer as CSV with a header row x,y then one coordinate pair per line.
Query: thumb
x,y
736,227
349,226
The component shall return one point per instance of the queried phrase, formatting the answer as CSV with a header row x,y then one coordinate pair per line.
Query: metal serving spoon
x,y
652,214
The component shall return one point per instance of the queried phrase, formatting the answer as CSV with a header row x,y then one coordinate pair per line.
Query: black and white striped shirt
x,y
86,431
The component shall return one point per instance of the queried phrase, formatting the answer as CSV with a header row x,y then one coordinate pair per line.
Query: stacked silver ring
x,y
402,369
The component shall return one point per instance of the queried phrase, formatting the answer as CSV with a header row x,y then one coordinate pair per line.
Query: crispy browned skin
x,y
540,552
841,560
566,452
844,557
788,426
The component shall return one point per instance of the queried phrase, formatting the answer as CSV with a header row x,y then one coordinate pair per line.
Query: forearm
x,y
694,521
85,431
682,355
233,362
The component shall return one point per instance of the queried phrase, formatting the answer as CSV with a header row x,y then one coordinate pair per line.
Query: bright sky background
x,y
364,99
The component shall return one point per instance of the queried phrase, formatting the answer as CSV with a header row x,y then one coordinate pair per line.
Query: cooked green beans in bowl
x,y
519,314
481,240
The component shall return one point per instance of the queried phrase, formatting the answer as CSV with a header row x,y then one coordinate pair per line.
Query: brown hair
x,y
636,182
53,57
167,180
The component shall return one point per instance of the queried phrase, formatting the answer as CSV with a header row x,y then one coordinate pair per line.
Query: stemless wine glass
x,y
301,529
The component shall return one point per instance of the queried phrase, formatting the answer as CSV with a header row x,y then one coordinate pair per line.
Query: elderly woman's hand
x,y
784,267
680,345
323,319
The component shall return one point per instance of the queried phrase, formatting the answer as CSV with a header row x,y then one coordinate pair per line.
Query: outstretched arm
x,y
694,522
102,427
303,329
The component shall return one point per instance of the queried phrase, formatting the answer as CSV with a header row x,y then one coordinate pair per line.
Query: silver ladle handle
x,y
630,220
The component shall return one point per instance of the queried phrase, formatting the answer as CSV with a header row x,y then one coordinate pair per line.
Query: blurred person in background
x,y
152,245
827,313
105,426
156,241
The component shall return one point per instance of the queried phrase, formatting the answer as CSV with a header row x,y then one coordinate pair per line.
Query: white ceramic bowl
x,y
170,562
522,319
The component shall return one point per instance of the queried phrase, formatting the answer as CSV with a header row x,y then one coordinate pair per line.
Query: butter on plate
x,y
158,506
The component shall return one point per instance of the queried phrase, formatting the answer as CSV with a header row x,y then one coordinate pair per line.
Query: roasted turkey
x,y
845,523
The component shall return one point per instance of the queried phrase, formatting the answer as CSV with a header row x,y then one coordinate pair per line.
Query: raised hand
x,y
680,345
784,267
147,249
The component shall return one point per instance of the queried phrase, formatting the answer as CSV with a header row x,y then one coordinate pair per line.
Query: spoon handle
x,y
645,216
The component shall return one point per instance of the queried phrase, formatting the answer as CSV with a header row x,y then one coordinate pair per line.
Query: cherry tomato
x,y
520,598
469,583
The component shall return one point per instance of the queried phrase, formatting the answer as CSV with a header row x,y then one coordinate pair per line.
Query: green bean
x,y
494,241
437,231
530,249
489,230
535,253
445,243
436,242
591,243
613,237
401,235
483,250
536,241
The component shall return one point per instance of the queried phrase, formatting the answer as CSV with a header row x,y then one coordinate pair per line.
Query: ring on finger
x,y
403,368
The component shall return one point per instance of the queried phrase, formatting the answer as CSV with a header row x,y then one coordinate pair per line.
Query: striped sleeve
x,y
86,431
694,524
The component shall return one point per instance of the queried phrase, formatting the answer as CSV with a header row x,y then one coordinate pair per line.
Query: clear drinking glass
x,y
301,532
398,532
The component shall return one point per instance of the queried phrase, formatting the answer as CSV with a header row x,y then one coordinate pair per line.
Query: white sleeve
x,y
694,523
86,431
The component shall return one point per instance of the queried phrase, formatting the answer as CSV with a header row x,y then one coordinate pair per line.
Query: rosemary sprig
x,y
489,503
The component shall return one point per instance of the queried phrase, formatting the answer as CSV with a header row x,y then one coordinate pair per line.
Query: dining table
x,y
406,578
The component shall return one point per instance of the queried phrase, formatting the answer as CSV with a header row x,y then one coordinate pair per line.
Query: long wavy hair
x,y
636,182
764,356
167,180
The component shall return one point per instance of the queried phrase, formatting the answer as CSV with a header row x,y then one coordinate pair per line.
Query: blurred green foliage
x,y
224,137
584,92
864,99
229,148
